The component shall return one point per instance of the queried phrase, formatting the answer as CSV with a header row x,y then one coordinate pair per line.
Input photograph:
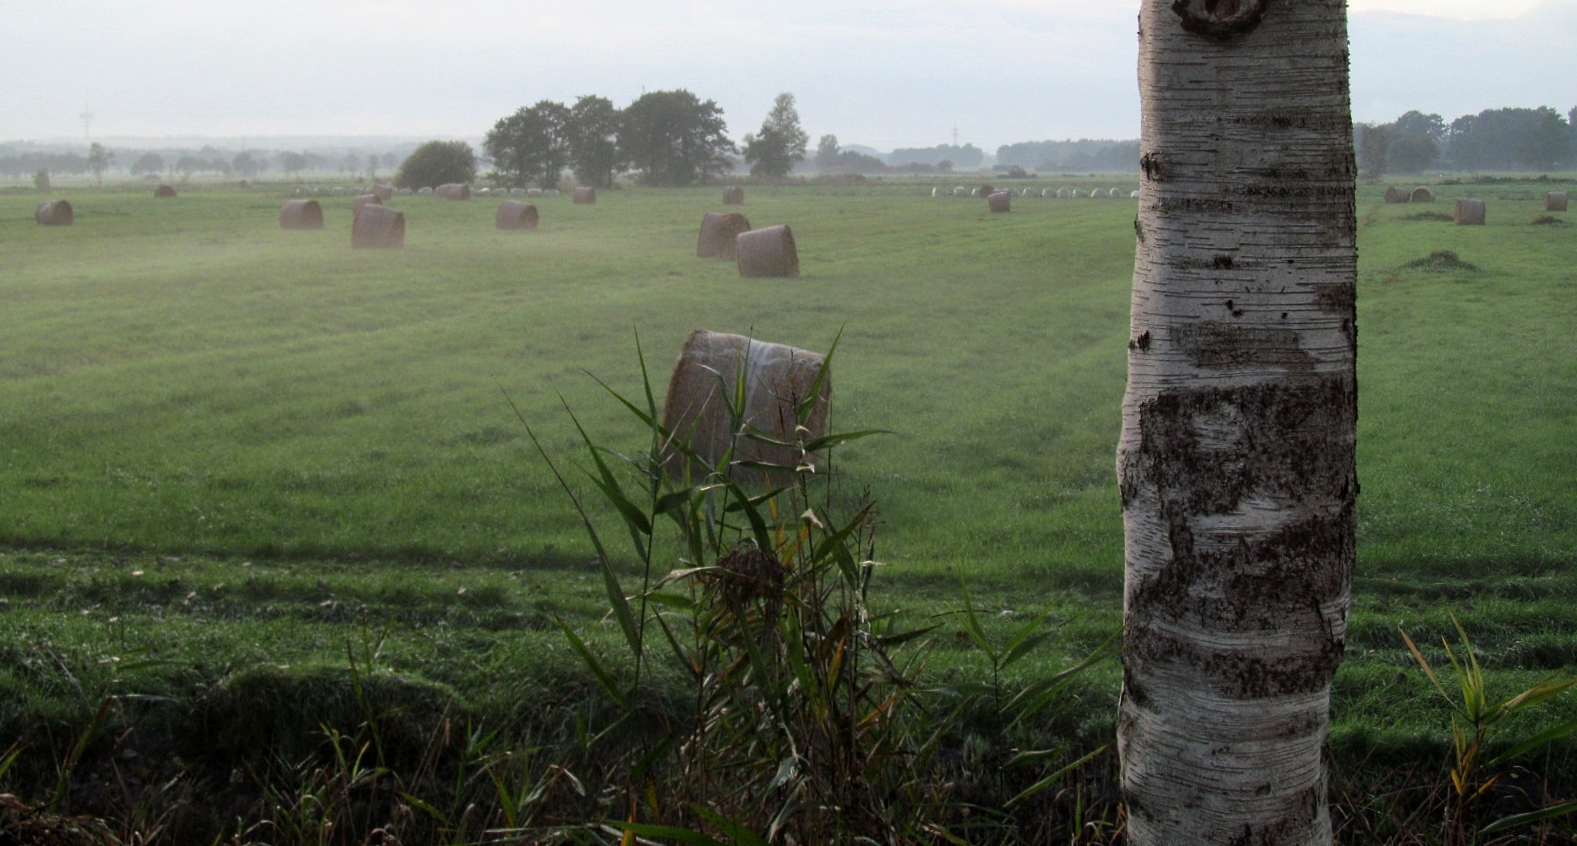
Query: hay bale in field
x,y
533,192
164,191
960,191
718,234
1028,192
405,192
338,191
384,191
513,214
1469,213
767,252
378,228
984,191
55,213
424,191
517,192
1422,194
1064,193
481,192
301,214
1394,194
1097,193
733,195
1134,194
1000,201
550,193
584,196
453,191
776,380
1048,193
245,185
1076,194
1114,193
1555,201
361,200
937,192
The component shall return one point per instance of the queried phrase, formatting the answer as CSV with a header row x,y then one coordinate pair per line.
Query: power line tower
x,y
87,122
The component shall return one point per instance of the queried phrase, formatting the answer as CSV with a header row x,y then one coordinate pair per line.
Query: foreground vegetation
x,y
260,490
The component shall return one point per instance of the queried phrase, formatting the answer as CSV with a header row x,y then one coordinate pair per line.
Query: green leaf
x,y
1517,820
591,662
734,831
1547,736
840,438
1048,780
682,835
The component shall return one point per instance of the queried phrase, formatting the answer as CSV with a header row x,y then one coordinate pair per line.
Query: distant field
x,y
238,441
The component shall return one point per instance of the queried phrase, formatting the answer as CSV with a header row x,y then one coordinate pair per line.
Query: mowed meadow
x,y
229,450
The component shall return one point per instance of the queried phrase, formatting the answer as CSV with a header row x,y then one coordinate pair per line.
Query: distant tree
x,y
1410,152
372,165
389,160
437,163
351,163
245,165
1418,122
530,144
593,135
99,160
189,164
1511,139
673,138
780,145
945,166
41,179
967,156
292,163
149,162
1370,141
827,153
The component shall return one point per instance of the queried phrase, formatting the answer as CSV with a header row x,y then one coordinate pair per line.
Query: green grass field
x,y
226,448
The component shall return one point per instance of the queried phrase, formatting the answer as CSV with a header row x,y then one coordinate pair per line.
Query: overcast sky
x,y
883,73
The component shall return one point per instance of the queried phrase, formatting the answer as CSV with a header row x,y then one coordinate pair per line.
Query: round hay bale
x,y
1064,193
984,191
1394,194
453,191
767,252
1134,194
1469,213
481,192
937,192
405,192
164,191
1076,194
363,200
55,213
513,214
533,192
1097,193
517,192
1049,193
425,191
1000,201
1114,193
960,191
777,380
385,192
378,228
1555,201
733,195
338,191
245,185
1422,194
719,233
550,193
301,214
584,196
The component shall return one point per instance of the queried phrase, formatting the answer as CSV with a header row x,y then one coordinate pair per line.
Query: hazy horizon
x,y
883,75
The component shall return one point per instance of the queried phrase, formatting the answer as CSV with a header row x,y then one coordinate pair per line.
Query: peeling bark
x,y
1236,464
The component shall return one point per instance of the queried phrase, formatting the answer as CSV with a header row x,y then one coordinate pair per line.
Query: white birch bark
x,y
1236,459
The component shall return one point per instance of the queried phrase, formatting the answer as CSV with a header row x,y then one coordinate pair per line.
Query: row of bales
x,y
1467,211
985,192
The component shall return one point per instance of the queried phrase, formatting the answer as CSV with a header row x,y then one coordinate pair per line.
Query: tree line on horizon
x,y
1494,139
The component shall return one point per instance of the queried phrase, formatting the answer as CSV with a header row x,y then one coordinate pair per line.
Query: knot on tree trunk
x,y
1221,20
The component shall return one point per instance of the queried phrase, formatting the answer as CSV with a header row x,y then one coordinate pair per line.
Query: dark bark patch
x,y
1340,298
1141,342
1214,346
1221,20
1150,164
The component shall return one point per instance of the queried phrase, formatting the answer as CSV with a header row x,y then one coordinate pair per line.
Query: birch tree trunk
x,y
1236,461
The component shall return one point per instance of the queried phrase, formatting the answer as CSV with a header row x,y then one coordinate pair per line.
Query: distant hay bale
x,y
481,192
164,191
1114,193
584,196
301,214
1394,194
378,228
1049,192
1076,194
513,214
405,192
338,191
550,193
938,192
384,191
1097,193
302,192
245,185
517,192
776,380
533,192
1027,192
1469,213
361,200
719,232
984,191
1000,201
1555,201
1134,194
733,195
767,252
960,191
1064,193
453,191
1422,194
55,213
425,191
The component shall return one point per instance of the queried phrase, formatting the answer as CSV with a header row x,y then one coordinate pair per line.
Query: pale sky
x,y
882,73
